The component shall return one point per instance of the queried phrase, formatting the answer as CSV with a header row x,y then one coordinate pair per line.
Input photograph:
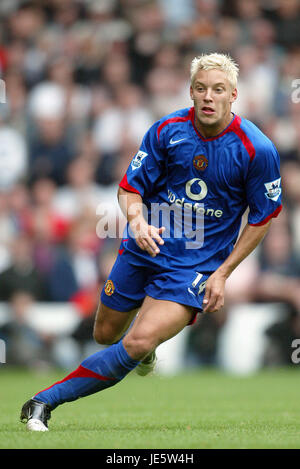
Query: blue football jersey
x,y
200,188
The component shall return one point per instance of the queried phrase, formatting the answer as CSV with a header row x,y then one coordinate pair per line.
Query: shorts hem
x,y
120,309
198,308
195,312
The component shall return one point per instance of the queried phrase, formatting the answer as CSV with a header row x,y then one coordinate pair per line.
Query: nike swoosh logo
x,y
190,291
172,142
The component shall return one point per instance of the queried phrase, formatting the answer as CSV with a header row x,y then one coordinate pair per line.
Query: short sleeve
x,y
263,186
146,167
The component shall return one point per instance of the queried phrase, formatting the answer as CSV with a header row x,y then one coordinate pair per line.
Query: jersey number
x,y
196,282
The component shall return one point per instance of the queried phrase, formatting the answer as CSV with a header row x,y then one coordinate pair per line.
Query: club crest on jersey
x,y
109,288
137,160
200,162
273,189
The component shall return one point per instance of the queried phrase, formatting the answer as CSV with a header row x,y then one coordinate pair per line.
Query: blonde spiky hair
x,y
216,61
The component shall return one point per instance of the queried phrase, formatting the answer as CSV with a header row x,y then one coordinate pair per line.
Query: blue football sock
x,y
97,372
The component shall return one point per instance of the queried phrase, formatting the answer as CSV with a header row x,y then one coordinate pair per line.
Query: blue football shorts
x,y
130,281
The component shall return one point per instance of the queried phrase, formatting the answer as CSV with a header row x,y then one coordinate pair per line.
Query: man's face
x,y
213,96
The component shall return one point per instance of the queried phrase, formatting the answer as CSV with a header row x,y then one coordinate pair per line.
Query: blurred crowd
x,y
84,80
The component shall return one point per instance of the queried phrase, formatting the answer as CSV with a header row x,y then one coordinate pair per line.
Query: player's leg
x,y
147,364
122,294
110,325
98,371
157,321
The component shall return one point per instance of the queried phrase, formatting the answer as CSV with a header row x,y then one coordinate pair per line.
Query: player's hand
x,y
147,237
214,293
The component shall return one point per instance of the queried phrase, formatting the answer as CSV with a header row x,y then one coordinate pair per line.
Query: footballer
x,y
210,163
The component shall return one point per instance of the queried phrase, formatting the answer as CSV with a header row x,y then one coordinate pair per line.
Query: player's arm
x,y
250,237
146,236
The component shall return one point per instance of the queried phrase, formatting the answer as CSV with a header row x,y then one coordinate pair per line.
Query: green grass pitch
x,y
203,409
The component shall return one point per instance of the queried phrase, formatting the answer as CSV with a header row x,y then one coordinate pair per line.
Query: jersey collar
x,y
231,126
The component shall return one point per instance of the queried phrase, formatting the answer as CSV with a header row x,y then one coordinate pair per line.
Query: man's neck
x,y
208,131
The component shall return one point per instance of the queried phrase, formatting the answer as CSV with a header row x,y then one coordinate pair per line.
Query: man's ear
x,y
234,94
191,93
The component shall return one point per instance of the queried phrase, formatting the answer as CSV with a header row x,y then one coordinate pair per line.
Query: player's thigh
x,y
111,324
158,321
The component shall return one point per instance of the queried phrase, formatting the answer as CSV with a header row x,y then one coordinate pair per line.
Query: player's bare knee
x,y
97,336
138,347
104,336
